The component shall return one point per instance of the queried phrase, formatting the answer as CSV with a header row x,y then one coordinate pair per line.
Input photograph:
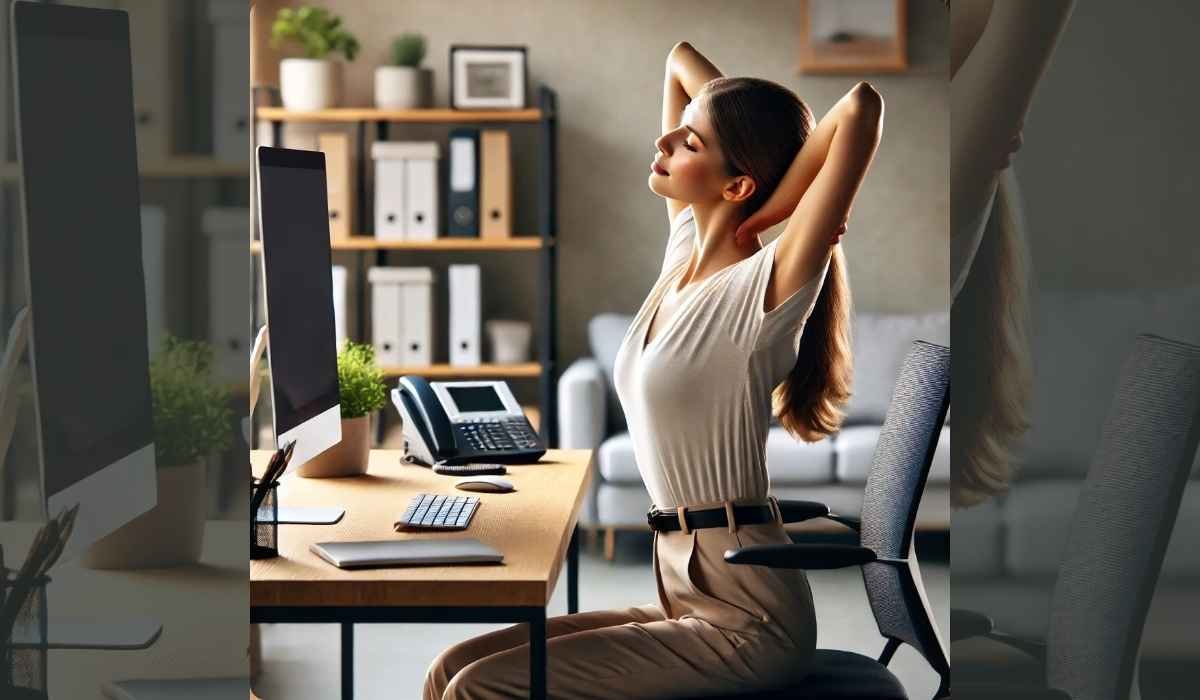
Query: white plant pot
x,y
169,534
510,341
403,87
309,84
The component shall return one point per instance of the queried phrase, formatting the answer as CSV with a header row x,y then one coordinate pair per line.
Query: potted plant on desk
x,y
362,393
192,420
404,84
314,81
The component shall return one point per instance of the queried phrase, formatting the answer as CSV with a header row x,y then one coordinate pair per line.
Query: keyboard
x,y
428,511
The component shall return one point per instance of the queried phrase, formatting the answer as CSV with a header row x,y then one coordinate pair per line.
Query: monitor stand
x,y
125,634
288,515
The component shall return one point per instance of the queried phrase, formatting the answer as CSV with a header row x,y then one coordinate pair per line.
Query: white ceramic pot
x,y
348,457
169,534
403,87
510,341
309,84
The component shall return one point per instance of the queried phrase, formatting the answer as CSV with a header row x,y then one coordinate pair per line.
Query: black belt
x,y
671,520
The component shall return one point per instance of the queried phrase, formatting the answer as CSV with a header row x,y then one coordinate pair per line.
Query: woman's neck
x,y
717,247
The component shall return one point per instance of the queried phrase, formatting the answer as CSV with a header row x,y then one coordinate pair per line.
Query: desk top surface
x,y
531,527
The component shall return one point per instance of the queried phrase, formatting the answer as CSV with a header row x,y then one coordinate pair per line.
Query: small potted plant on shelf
x,y
192,420
362,392
314,81
404,84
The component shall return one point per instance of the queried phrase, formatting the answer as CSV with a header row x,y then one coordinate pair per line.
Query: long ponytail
x,y
809,402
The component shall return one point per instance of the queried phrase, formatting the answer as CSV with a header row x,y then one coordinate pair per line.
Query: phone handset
x,y
434,424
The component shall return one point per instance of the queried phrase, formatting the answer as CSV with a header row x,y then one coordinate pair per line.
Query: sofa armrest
x,y
582,395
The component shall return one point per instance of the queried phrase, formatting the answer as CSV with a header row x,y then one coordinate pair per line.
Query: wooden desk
x,y
534,527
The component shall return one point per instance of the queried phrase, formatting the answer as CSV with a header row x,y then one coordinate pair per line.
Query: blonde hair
x,y
990,364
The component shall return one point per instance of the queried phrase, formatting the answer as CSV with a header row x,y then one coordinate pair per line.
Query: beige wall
x,y
605,59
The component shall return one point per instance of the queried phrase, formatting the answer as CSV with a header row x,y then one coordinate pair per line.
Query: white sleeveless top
x,y
698,398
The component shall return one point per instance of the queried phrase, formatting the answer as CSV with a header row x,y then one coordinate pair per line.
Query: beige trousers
x,y
717,628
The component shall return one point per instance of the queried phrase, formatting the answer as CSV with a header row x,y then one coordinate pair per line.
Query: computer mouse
x,y
490,484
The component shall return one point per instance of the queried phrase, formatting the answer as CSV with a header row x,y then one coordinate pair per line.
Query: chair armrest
x,y
967,624
800,511
582,397
801,556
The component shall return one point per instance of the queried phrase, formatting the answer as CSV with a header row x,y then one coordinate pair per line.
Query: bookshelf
x,y
544,117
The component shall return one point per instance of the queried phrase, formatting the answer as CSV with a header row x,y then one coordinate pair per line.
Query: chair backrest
x,y
1123,521
894,488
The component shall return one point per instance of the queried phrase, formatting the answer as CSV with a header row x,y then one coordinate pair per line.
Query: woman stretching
x,y
731,333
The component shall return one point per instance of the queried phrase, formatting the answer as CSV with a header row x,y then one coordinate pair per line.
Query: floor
x,y
301,661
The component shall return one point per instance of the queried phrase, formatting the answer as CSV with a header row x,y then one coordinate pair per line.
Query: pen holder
x,y
23,638
264,521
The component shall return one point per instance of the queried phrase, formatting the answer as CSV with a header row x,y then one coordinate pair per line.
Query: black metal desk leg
x,y
573,573
347,661
537,655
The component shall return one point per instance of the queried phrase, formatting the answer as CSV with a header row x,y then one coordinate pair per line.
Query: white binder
x,y
228,229
405,189
231,76
402,315
154,265
465,321
339,305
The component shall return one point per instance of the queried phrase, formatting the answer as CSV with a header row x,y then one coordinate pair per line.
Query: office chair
x,y
890,570
1119,535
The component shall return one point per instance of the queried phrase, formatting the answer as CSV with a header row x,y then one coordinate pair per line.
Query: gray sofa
x,y
1005,553
832,471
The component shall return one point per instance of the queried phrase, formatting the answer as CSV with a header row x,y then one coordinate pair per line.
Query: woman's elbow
x,y
866,99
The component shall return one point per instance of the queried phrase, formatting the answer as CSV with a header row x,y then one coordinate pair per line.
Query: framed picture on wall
x,y
488,77
864,36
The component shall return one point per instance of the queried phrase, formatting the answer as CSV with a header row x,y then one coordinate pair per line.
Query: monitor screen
x,y
475,399
294,209
83,230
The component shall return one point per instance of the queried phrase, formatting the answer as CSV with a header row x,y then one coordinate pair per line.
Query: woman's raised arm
x,y
819,187
687,71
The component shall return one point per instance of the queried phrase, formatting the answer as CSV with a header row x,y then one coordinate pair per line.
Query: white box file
x,y
154,266
406,191
402,315
339,304
465,316
228,229
231,78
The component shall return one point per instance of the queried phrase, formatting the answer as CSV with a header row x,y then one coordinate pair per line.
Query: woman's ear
x,y
739,189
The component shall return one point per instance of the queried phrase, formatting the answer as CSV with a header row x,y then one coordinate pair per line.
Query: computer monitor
x,y
84,279
293,209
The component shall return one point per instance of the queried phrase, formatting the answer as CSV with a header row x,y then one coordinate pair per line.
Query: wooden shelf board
x,y
430,116
440,371
444,244
177,167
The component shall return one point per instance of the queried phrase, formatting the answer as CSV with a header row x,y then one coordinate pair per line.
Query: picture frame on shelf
x,y
488,77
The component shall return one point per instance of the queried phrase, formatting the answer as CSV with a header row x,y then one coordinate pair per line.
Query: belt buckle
x,y
651,512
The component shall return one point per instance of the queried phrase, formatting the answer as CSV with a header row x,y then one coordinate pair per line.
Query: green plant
x,y
315,29
360,381
192,417
408,50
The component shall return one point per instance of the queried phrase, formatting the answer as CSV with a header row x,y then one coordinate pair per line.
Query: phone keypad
x,y
493,434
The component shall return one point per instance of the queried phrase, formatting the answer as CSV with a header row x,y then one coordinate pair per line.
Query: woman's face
x,y
688,164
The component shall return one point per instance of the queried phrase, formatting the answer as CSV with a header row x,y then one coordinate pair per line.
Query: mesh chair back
x,y
1126,512
899,469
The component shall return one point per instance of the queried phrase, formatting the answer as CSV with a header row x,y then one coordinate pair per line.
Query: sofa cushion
x,y
854,448
615,460
977,540
1080,340
880,342
789,461
605,333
